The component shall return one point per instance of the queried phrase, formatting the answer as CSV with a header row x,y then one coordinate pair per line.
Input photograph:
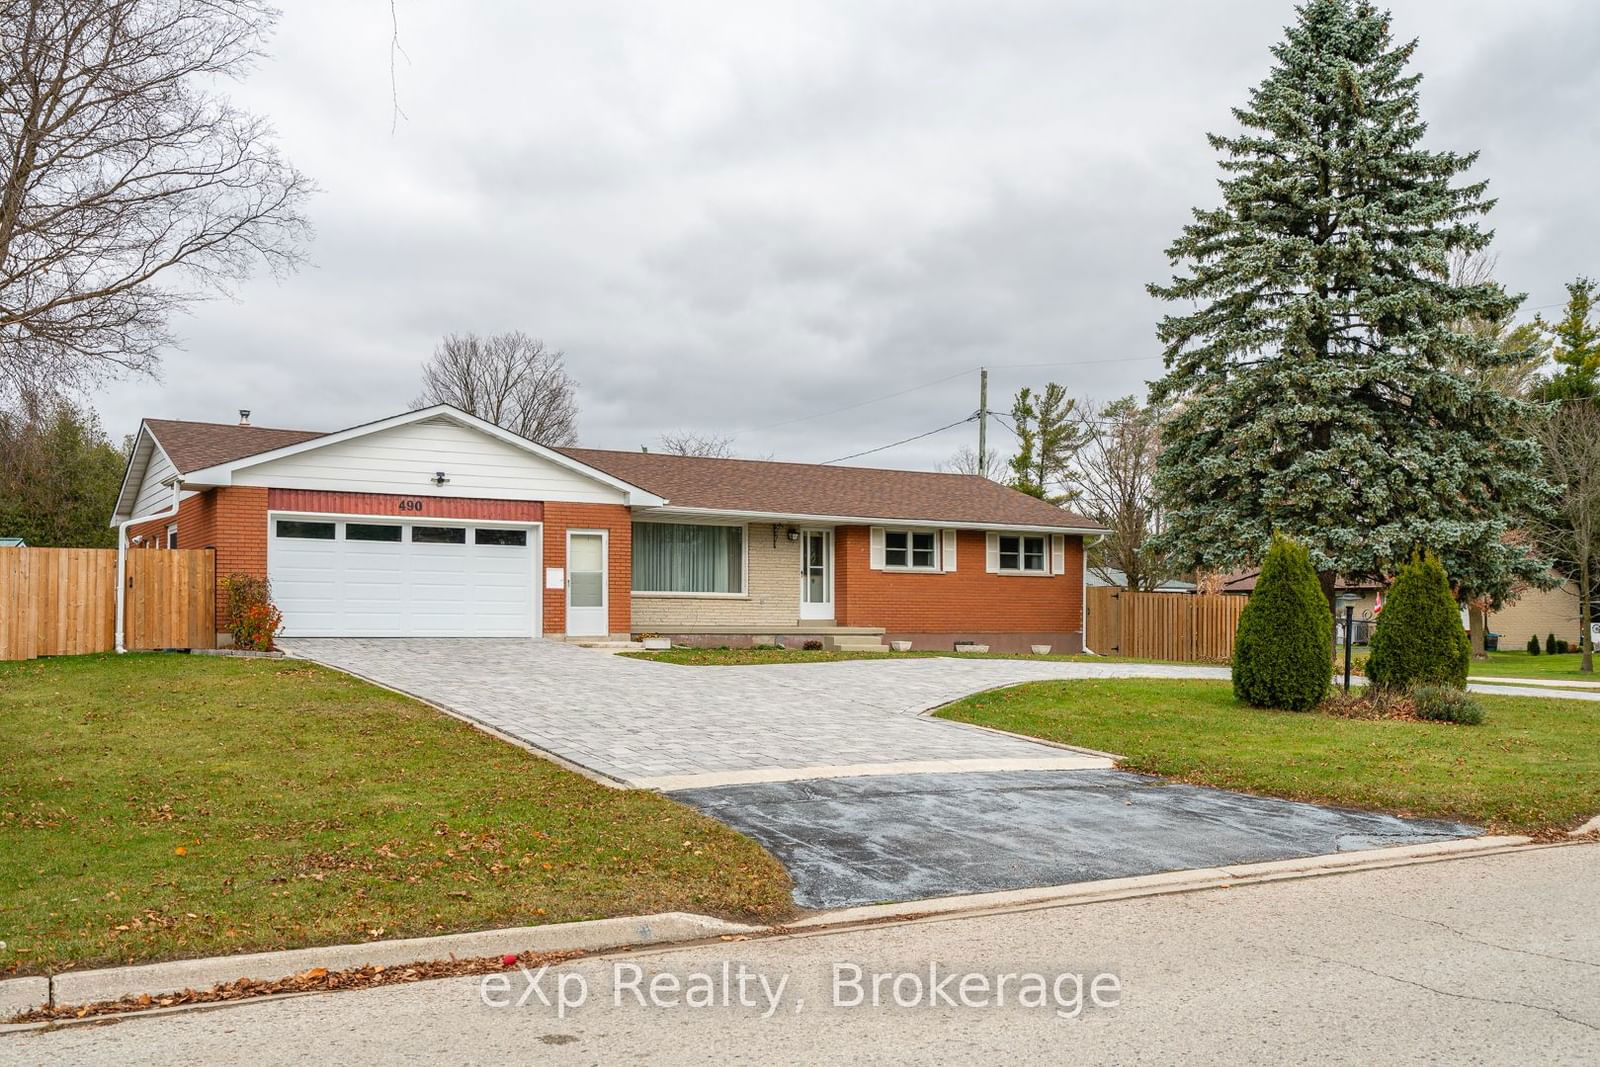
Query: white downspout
x,y
122,556
1083,594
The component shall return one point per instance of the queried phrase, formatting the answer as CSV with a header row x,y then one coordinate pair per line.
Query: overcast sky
x,y
733,216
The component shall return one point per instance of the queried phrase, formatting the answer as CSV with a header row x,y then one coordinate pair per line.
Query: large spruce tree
x,y
1321,386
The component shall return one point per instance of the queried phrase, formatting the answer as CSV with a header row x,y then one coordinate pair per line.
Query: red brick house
x,y
436,523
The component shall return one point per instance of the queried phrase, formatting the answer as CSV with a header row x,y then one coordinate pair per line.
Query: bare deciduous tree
x,y
995,467
509,379
689,443
1115,479
128,187
1570,440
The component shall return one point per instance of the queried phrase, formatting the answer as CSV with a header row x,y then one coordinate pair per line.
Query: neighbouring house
x,y
1112,578
12,542
1361,595
437,523
1538,613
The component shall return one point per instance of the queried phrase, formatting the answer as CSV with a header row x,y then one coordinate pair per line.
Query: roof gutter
x,y
870,520
122,557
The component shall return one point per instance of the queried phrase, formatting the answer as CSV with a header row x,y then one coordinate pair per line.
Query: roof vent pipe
x,y
244,416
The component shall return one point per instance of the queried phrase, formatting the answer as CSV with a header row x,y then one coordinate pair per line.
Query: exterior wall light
x,y
793,534
439,478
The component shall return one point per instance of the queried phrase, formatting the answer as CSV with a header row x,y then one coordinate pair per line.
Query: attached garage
x,y
376,577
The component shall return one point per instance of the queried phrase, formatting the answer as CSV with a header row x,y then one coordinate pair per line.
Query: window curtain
x,y
673,557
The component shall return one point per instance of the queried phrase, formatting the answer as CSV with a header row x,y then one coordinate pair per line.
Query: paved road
x,y
1490,960
659,725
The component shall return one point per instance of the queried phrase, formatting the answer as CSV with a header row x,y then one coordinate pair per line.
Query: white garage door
x,y
338,578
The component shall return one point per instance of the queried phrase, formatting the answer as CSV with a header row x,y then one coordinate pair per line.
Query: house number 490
x,y
410,505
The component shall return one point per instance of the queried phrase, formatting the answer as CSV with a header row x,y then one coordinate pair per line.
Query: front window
x,y
680,557
1022,554
911,549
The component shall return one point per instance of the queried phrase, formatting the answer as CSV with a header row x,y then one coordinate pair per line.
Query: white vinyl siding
x,y
687,558
405,459
152,495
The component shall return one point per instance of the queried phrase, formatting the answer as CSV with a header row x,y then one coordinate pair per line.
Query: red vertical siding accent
x,y
438,507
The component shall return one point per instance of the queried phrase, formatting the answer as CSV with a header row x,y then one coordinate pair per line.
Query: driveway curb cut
x,y
113,983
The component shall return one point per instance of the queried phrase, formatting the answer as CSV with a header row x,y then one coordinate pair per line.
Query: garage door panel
x,y
380,588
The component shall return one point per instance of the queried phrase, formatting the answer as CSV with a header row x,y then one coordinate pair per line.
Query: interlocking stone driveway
x,y
667,726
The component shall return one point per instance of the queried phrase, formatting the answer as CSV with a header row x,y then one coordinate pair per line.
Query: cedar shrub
x,y
1419,639
1281,649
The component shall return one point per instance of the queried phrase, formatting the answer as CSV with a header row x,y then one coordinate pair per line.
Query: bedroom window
x,y
684,558
910,550
1022,554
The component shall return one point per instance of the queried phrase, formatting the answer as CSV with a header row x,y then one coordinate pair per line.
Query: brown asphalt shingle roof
x,y
194,445
810,489
741,485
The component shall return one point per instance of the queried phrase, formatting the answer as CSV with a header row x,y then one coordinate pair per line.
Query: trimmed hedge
x,y
1281,651
1419,639
1533,645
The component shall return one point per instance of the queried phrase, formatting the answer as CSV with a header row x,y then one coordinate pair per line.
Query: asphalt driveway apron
x,y
851,841
835,770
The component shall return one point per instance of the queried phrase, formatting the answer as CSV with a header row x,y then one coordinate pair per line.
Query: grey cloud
x,y
732,216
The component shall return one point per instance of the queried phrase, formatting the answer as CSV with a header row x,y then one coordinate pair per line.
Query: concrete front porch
x,y
842,638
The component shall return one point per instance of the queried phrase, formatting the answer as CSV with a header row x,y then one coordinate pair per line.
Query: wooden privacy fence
x,y
1175,626
63,601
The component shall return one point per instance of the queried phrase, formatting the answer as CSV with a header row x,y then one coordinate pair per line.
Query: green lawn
x,y
1522,665
157,806
1535,764
751,657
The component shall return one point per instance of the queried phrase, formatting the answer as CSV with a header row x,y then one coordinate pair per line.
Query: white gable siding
x,y
404,459
153,496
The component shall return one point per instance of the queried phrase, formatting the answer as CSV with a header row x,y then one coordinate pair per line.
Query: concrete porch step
x,y
856,643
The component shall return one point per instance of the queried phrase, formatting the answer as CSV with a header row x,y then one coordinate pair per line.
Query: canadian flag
x,y
1377,604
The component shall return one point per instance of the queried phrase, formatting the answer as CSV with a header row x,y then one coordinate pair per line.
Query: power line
x,y
858,404
904,441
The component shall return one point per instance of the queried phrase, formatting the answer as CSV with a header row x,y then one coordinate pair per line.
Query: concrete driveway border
x,y
676,928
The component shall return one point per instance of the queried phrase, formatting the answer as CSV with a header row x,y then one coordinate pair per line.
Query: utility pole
x,y
983,422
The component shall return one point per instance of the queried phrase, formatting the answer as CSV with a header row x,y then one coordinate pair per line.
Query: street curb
x,y
1590,827
18,995
1161,884
114,983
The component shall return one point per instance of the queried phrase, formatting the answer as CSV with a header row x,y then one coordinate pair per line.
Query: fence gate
x,y
62,601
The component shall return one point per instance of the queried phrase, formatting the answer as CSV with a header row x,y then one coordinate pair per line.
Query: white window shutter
x,y
991,562
949,553
876,561
1058,554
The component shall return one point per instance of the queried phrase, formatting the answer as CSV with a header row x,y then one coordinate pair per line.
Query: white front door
x,y
816,574
586,584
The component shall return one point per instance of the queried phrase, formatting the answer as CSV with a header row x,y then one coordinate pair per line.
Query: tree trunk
x,y
1477,625
1585,617
1328,580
